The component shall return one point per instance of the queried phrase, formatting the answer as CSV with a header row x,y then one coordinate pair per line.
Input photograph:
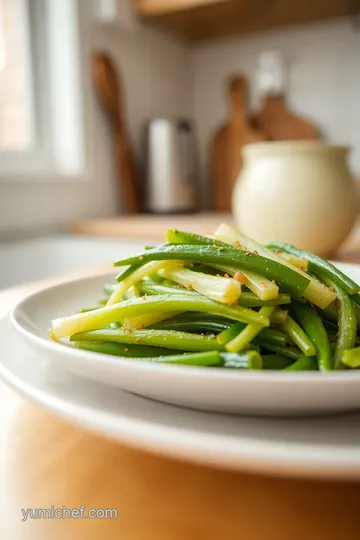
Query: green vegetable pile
x,y
224,301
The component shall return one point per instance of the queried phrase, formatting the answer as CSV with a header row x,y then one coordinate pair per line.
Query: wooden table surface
x,y
45,462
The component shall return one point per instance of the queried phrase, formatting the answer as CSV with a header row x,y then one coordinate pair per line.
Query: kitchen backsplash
x,y
323,79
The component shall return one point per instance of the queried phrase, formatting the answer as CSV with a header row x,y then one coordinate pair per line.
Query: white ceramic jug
x,y
296,192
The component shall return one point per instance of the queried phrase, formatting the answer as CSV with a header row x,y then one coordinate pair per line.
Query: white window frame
x,y
59,99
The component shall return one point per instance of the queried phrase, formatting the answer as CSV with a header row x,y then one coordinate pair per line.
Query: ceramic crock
x,y
296,192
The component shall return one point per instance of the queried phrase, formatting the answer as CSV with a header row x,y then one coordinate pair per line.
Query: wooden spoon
x,y
108,92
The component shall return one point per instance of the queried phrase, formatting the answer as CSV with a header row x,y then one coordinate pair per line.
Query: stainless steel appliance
x,y
171,182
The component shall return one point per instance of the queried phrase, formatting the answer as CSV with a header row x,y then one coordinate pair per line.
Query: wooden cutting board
x,y
228,140
279,123
219,165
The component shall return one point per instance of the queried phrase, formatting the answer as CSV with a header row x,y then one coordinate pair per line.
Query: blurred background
x,y
119,118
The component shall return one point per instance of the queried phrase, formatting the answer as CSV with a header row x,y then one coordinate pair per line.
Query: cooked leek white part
x,y
140,273
259,285
262,287
148,319
298,262
222,289
316,292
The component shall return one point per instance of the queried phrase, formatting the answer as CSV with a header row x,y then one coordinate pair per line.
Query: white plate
x,y
259,392
326,447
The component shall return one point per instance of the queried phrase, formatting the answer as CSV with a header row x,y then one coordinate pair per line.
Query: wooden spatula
x,y
240,130
279,123
226,159
108,91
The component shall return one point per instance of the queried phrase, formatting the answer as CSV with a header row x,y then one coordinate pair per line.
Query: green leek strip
x,y
101,317
202,359
148,286
319,265
123,349
331,314
229,333
275,361
298,336
357,313
279,317
241,341
266,334
289,352
131,279
181,237
126,273
311,322
247,360
170,339
347,323
206,269
356,299
251,347
271,335
249,299
148,319
291,281
193,316
204,325
250,360
351,358
315,292
304,363
220,289
195,322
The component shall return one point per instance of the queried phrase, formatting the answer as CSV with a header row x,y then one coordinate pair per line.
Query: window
x,y
15,109
41,89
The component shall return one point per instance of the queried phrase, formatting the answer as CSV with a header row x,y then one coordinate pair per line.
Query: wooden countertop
x,y
147,226
151,227
45,462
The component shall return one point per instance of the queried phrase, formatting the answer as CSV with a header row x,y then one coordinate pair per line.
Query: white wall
x,y
162,76
324,78
155,70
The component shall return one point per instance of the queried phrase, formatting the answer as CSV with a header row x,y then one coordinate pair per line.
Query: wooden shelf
x,y
198,20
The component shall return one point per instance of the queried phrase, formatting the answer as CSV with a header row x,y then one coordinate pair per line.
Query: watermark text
x,y
68,513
